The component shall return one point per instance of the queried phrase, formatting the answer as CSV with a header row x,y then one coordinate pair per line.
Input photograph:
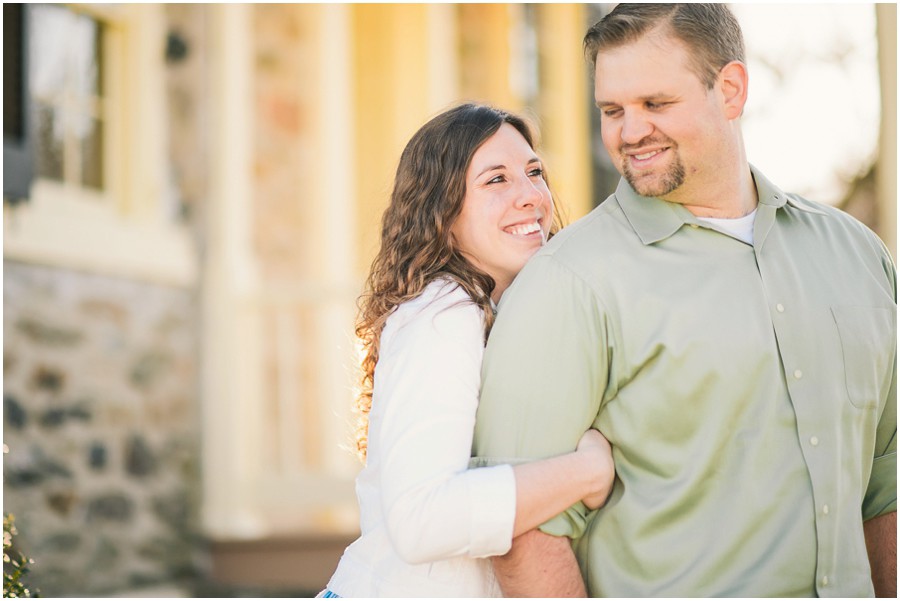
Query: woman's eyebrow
x,y
492,168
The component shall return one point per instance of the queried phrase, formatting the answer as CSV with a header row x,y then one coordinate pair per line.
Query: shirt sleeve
x,y
881,494
428,377
544,374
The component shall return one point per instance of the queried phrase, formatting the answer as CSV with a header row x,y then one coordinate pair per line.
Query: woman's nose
x,y
530,194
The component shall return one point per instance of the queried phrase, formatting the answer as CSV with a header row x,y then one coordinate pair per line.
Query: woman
x,y
469,207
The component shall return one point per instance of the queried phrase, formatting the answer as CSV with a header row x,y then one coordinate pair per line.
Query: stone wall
x,y
101,422
101,402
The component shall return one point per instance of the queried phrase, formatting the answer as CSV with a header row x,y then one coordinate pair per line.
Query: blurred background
x,y
192,196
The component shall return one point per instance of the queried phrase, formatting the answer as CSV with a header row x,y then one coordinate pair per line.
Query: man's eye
x,y
612,112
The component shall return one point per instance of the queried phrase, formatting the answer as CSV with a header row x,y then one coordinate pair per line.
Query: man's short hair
x,y
710,32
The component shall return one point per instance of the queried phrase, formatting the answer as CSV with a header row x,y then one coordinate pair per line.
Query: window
x,y
64,74
85,142
16,141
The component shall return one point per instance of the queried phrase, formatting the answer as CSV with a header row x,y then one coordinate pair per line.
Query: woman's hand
x,y
597,453
547,487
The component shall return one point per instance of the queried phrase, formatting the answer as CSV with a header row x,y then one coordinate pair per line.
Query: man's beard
x,y
656,186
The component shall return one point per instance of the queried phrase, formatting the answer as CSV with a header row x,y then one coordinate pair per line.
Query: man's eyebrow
x,y
649,97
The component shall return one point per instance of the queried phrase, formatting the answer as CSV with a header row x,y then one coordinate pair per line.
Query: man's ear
x,y
732,83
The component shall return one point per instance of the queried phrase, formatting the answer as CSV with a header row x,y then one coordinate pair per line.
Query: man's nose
x,y
635,127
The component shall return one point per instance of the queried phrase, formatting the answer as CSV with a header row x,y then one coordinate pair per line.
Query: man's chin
x,y
652,186
645,188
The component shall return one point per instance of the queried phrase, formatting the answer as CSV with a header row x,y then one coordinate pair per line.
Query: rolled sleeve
x,y
493,491
543,376
881,493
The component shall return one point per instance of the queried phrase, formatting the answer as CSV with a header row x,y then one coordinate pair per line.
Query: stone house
x,y
191,200
191,193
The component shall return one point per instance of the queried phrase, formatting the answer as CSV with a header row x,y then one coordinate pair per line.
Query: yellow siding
x,y
392,72
565,121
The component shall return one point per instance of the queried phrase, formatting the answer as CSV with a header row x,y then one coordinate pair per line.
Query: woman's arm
x,y
420,435
434,507
550,486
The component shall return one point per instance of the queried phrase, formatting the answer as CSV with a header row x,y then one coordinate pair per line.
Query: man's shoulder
x,y
593,250
812,207
834,230
822,217
834,218
606,226
802,203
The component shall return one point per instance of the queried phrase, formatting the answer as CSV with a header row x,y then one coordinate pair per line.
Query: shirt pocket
x,y
868,336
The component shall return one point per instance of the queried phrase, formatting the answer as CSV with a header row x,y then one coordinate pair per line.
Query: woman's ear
x,y
733,80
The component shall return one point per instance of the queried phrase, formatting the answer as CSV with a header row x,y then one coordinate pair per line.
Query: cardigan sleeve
x,y
428,378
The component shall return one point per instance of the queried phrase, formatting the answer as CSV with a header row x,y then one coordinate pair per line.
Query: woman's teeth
x,y
524,229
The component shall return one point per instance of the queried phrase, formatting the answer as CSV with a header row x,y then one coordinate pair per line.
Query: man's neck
x,y
732,196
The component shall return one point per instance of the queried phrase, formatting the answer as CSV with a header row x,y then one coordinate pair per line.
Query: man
x,y
736,345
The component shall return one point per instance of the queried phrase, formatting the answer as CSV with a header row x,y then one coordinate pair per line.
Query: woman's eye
x,y
496,180
537,172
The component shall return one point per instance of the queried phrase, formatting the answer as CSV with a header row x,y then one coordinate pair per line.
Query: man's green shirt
x,y
749,394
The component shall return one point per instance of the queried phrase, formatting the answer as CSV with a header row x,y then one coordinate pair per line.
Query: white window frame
x,y
129,228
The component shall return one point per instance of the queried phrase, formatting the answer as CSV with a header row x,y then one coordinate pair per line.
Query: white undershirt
x,y
741,228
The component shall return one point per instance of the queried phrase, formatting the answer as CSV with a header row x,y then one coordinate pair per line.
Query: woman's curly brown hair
x,y
416,243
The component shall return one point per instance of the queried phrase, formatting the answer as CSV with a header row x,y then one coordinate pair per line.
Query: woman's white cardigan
x,y
426,518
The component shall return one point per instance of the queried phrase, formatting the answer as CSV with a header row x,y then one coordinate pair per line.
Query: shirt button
x,y
825,509
779,307
814,441
798,374
824,580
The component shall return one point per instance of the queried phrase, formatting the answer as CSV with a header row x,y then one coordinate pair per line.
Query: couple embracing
x,y
734,344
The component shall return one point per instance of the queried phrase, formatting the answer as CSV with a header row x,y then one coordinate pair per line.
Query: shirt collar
x,y
771,195
654,219
651,219
767,193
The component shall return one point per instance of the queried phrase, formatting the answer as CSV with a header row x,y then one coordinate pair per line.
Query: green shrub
x,y
15,564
